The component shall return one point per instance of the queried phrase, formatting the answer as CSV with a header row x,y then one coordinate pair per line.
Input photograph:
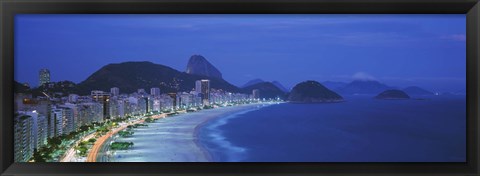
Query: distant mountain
x,y
252,82
130,76
267,90
198,65
332,85
363,87
415,91
312,92
392,95
280,86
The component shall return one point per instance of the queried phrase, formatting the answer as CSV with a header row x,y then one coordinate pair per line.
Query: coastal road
x,y
69,156
93,154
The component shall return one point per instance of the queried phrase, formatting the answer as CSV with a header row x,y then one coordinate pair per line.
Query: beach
x,y
172,139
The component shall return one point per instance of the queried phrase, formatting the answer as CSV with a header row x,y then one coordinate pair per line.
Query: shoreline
x,y
199,127
185,147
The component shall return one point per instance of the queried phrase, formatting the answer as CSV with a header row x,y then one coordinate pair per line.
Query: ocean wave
x,y
218,144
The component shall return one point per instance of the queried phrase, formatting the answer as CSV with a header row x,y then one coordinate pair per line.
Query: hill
x,y
280,86
130,76
267,90
252,82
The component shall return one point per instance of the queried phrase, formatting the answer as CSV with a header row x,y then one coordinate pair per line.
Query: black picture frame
x,y
9,8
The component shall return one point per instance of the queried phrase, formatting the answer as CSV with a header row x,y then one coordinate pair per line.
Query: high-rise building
x,y
44,107
68,123
155,92
70,117
121,108
141,91
56,122
89,112
44,76
204,90
84,115
39,129
114,91
166,102
103,98
113,107
132,106
150,102
117,107
142,104
185,100
23,137
173,96
156,105
198,87
197,100
256,93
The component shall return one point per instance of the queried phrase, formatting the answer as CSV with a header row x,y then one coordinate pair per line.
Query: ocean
x,y
361,129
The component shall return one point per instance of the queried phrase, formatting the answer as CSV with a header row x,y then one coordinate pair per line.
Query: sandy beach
x,y
172,139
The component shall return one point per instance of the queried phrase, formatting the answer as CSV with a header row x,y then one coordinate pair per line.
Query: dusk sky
x,y
399,50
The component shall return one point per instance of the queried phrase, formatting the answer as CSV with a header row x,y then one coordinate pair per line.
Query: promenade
x,y
69,156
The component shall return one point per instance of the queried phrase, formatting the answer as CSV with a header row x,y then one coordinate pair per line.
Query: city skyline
x,y
311,46
39,121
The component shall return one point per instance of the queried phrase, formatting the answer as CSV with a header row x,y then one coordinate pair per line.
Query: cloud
x,y
455,37
363,76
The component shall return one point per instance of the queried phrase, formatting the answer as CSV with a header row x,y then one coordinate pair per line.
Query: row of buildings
x,y
39,118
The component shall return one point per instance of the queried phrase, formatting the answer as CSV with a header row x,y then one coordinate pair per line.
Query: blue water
x,y
361,129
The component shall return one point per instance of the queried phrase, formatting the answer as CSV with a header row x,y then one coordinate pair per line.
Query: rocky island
x,y
392,95
313,92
